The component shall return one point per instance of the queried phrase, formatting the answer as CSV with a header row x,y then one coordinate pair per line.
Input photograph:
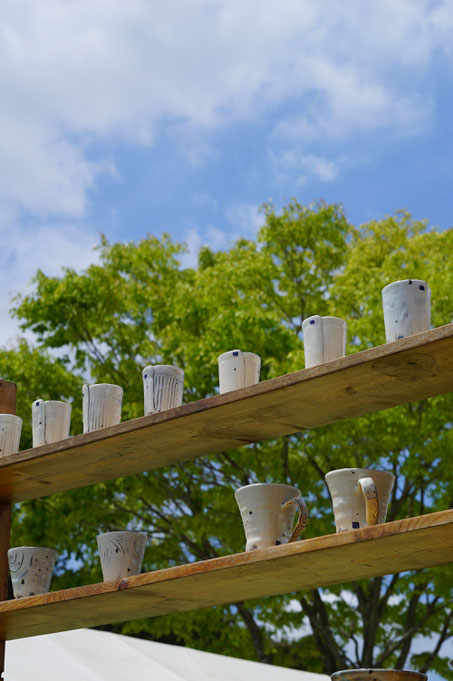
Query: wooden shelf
x,y
406,371
409,544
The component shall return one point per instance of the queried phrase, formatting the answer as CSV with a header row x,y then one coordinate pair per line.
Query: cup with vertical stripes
x,y
101,406
10,430
163,386
51,421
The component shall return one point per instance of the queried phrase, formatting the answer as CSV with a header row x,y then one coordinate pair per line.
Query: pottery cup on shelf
x,y
101,406
324,339
267,511
238,369
163,386
360,496
407,308
121,553
31,569
10,430
51,421
378,675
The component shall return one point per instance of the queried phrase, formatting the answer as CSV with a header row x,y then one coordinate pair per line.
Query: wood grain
x,y
413,543
7,397
409,370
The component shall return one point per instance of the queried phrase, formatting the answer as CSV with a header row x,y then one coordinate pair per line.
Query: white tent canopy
x,y
94,655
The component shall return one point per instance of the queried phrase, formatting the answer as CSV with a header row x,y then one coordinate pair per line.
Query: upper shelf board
x,y
409,544
408,370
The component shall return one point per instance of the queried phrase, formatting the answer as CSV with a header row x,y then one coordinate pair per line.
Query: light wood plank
x,y
413,543
409,370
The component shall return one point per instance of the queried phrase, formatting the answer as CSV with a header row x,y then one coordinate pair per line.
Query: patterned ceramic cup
x,y
267,511
10,430
324,339
163,386
101,406
238,369
51,421
31,569
378,675
407,308
360,496
121,553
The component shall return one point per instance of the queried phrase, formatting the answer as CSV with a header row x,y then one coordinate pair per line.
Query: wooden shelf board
x,y
409,544
409,370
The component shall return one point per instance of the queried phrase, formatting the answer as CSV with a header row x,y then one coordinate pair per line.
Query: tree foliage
x,y
139,306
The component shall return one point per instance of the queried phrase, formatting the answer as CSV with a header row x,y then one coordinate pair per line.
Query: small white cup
x,y
238,369
51,421
31,569
360,496
324,339
10,430
407,308
267,511
163,386
101,406
121,553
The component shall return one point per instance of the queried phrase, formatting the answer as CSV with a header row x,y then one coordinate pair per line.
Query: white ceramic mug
x,y
238,369
10,430
360,496
267,511
324,339
51,421
163,386
407,308
101,406
121,553
31,569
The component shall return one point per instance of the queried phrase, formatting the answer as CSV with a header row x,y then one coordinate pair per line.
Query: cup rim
x,y
42,548
15,417
269,484
368,471
406,281
136,532
338,675
39,399
318,316
166,369
105,385
227,354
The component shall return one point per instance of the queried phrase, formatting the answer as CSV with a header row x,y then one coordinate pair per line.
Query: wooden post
x,y
7,406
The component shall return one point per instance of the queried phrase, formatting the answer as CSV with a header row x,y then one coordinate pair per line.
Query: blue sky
x,y
184,117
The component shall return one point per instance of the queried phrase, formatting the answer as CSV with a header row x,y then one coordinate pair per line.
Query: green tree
x,y
140,306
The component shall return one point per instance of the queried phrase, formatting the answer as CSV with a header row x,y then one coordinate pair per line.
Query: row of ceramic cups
x,y
360,498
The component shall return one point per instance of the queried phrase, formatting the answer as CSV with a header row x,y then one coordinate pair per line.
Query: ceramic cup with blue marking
x,y
237,370
268,510
324,339
360,496
407,308
51,421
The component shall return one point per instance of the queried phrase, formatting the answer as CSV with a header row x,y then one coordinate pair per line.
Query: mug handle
x,y
303,516
369,491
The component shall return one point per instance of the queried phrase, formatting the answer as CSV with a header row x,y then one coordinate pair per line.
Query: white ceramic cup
x,y
101,406
407,308
31,569
238,369
267,511
360,496
10,430
121,553
324,339
163,386
51,421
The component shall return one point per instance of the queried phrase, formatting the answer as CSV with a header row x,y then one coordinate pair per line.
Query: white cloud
x,y
37,246
77,73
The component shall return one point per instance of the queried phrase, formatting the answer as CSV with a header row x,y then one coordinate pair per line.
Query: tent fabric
x,y
94,655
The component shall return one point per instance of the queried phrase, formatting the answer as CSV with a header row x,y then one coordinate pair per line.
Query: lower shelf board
x,y
409,544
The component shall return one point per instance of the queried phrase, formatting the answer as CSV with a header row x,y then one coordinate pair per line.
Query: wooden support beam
x,y
7,406
408,370
408,544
